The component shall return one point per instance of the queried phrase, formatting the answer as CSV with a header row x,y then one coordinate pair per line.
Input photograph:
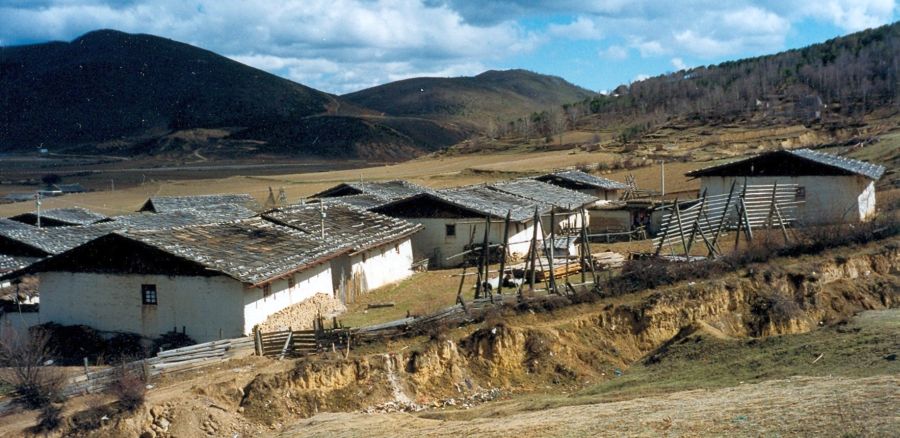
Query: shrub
x,y
129,388
49,419
23,358
124,347
171,340
71,343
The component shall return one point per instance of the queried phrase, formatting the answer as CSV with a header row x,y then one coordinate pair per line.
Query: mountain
x,y
491,95
134,94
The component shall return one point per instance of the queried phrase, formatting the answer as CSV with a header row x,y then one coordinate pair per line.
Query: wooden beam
x,y
505,251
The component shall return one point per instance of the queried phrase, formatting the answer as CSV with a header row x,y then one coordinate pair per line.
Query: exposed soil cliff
x,y
588,341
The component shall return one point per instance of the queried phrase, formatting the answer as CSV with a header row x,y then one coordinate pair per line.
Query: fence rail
x,y
168,361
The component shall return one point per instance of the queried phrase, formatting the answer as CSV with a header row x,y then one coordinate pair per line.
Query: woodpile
x,y
608,260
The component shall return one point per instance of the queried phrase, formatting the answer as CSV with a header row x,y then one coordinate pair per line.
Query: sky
x,y
340,46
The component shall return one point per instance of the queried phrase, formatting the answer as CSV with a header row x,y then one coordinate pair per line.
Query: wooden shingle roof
x,y
385,190
545,193
163,204
253,251
582,178
63,216
796,162
344,225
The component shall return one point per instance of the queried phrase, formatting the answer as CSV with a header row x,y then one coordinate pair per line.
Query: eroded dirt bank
x,y
588,342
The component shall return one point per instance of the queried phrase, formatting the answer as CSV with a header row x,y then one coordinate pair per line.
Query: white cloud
x,y
649,48
679,64
582,28
617,53
333,44
640,77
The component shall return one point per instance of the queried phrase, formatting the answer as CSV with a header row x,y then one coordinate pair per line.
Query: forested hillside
x,y
833,82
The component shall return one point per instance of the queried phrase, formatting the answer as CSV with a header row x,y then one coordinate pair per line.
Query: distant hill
x,y
134,94
839,79
488,96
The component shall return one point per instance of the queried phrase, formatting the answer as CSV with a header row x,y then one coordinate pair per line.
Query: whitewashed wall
x,y
434,244
256,307
383,265
204,306
829,199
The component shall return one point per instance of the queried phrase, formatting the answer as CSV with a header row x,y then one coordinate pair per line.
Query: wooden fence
x,y
168,361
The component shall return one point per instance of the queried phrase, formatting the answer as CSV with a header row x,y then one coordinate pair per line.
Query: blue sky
x,y
341,46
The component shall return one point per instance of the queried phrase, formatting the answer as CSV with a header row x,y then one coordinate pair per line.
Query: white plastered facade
x,y
828,199
435,244
206,308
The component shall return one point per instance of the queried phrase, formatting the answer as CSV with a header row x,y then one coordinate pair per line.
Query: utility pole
x,y
662,179
322,215
37,204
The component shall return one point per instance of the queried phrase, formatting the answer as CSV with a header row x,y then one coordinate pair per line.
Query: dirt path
x,y
800,406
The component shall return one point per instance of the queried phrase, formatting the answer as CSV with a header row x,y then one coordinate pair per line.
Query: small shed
x,y
455,217
62,217
379,247
832,189
602,188
210,281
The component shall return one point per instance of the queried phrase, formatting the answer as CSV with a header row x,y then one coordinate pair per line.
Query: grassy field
x,y
434,171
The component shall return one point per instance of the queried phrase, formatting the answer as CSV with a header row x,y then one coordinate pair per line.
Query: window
x,y
291,282
800,195
148,294
397,248
267,290
451,230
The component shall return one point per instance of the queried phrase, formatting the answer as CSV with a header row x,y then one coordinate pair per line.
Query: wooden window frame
x,y
449,230
149,295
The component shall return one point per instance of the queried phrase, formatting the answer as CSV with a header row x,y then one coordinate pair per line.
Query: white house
x,y
380,250
210,281
833,189
568,204
454,218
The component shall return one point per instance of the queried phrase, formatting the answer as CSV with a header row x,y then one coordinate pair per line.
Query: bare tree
x,y
23,358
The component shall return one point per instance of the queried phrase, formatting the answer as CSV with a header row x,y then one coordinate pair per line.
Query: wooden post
x,y
771,213
552,245
537,223
696,224
257,341
665,233
681,231
482,263
724,215
287,343
747,227
587,247
781,223
462,278
740,215
505,250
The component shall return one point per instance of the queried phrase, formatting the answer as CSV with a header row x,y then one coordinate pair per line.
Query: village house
x,y
209,281
371,194
61,217
568,205
831,189
166,204
380,247
599,187
455,217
